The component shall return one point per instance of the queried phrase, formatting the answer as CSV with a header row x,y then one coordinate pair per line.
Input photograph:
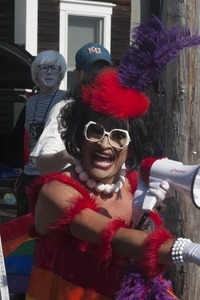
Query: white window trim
x,y
83,8
26,24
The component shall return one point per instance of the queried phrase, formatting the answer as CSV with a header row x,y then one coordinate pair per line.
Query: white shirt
x,y
38,108
50,141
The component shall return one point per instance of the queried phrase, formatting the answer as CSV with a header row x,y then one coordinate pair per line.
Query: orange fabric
x,y
56,288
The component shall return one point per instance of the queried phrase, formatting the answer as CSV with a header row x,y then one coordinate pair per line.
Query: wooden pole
x,y
182,137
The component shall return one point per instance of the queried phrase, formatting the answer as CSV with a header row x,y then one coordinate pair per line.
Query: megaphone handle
x,y
142,221
149,201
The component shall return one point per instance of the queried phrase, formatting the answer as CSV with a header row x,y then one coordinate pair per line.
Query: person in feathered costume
x,y
83,216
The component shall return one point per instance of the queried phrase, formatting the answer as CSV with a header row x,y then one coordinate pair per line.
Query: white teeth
x,y
104,164
103,155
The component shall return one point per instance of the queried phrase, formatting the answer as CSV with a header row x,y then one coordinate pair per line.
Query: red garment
x,y
70,266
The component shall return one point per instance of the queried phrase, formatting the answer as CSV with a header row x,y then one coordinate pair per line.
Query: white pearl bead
x,y
178,250
83,176
120,184
108,188
77,162
122,179
116,187
100,187
91,183
79,169
123,172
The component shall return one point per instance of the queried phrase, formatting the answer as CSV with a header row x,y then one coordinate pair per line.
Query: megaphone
x,y
183,178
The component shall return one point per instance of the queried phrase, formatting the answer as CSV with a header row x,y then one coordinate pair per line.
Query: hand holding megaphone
x,y
183,178
158,190
155,192
161,190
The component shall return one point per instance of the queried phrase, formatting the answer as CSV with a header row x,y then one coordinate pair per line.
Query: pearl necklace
x,y
100,186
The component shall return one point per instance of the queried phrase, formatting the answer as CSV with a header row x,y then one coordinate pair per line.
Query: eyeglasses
x,y
45,68
117,138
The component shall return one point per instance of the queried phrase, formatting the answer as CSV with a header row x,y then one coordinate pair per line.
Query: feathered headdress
x,y
119,93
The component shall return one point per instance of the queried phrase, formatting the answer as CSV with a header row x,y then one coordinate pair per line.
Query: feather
x,y
107,96
152,47
136,287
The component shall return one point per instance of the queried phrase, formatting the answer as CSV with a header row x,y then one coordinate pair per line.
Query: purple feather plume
x,y
152,47
136,287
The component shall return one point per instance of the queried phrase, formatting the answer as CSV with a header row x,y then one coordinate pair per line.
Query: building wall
x,y
7,20
120,28
48,26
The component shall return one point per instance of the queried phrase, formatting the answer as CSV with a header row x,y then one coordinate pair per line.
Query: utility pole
x,y
182,136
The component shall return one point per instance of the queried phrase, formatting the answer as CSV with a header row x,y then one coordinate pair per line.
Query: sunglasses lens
x,y
94,132
118,138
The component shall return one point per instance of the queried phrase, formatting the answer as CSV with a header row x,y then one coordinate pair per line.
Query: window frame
x,y
83,9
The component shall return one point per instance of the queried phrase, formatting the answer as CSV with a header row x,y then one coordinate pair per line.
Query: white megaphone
x,y
183,178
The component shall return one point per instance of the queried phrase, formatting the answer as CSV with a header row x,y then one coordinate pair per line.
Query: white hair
x,y
48,57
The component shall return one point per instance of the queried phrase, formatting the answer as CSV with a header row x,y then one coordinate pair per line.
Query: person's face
x,y
80,75
101,159
49,76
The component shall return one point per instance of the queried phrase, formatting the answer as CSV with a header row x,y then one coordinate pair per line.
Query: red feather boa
x,y
145,168
148,262
105,250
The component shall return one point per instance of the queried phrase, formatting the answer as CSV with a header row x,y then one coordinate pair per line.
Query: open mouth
x,y
102,161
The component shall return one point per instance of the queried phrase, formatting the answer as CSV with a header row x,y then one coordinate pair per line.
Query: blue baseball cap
x,y
89,54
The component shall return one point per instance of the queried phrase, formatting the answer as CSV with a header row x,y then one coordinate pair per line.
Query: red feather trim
x,y
133,180
145,168
34,189
105,250
156,218
79,205
106,95
82,202
148,263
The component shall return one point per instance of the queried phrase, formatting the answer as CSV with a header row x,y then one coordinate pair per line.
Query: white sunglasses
x,y
117,138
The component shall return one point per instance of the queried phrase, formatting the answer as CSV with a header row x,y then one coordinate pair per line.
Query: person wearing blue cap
x,y
89,54
49,153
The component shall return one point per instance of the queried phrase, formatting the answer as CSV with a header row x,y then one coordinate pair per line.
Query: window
x,y
82,22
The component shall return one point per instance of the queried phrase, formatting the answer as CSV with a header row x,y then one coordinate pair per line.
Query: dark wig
x,y
74,116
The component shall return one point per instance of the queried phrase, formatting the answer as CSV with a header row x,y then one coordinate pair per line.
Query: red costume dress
x,y
65,267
